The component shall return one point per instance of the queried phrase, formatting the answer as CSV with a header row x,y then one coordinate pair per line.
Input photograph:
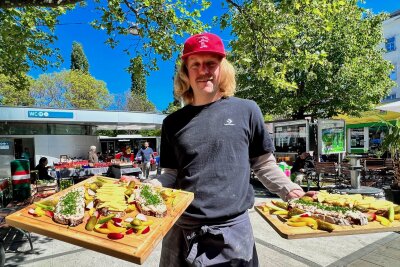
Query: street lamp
x,y
134,29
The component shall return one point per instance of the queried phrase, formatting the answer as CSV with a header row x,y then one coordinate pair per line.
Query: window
x,y
393,74
390,97
390,44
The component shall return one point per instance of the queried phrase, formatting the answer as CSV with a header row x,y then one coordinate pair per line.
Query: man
x,y
146,154
208,147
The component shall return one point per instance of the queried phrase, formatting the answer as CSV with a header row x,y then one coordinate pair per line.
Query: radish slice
x,y
91,192
31,212
129,220
141,217
117,220
90,205
115,235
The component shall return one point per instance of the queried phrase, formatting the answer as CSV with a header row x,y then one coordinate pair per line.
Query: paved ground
x,y
381,249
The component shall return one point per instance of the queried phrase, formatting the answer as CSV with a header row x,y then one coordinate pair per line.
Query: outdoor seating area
x,y
330,175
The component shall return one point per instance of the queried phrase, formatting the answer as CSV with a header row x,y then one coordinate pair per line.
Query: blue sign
x,y
43,114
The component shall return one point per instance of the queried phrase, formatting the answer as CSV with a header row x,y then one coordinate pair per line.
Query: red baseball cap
x,y
203,42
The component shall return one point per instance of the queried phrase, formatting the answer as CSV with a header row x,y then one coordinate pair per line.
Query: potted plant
x,y
391,143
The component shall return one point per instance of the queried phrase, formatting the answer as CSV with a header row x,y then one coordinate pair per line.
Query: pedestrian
x,y
146,154
93,155
208,147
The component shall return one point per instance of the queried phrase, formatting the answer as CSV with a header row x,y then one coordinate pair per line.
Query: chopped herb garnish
x,y
150,197
324,207
68,203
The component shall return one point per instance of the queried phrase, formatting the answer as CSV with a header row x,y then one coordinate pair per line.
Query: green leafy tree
x,y
78,58
26,35
15,91
138,76
136,102
308,57
172,107
37,3
70,89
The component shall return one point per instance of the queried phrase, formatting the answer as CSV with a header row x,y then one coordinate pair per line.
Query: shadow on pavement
x,y
260,190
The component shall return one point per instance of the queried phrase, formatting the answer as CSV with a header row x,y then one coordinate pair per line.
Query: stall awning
x,y
369,118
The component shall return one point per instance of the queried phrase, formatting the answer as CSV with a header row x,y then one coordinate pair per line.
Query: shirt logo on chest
x,y
229,122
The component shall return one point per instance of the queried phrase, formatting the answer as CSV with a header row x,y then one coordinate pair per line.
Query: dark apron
x,y
228,243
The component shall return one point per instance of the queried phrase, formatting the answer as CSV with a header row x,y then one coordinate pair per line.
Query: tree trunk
x,y
41,3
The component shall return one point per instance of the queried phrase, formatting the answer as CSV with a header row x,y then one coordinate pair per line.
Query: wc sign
x,y
44,114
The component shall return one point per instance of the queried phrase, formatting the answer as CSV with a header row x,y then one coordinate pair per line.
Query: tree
x,y
14,91
40,3
138,76
78,58
172,107
154,25
26,35
136,102
70,89
308,57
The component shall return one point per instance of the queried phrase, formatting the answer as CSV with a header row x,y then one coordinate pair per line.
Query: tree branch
x,y
40,3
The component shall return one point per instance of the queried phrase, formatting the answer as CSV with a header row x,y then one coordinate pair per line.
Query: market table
x,y
71,172
133,248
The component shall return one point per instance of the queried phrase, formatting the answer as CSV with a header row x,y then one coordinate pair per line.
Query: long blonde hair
x,y
227,82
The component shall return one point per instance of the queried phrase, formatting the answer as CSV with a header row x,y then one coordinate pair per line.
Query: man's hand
x,y
298,193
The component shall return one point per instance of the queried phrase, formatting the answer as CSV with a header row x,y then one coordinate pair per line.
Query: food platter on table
x,y
330,215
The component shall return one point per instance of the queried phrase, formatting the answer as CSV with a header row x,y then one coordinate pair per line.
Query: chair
x,y
388,174
344,173
326,172
374,169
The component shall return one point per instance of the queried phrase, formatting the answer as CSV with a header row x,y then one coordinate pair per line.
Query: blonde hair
x,y
227,82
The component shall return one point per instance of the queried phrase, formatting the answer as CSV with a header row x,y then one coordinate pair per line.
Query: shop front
x,y
365,134
32,133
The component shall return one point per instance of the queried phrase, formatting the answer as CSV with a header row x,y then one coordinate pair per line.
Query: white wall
x,y
52,146
391,28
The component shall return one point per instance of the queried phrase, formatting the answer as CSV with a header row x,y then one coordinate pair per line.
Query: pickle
x,y
131,184
128,192
91,223
397,209
325,226
280,204
107,218
295,211
98,183
93,187
44,207
307,199
136,222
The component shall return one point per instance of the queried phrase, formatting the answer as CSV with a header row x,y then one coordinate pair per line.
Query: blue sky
x,y
109,64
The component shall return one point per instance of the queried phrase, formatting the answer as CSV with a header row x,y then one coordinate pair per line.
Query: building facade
x,y
391,34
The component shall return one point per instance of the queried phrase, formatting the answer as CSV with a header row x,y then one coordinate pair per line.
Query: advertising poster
x,y
332,137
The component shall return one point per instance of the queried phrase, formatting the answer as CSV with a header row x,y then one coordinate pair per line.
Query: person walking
x,y
146,155
209,147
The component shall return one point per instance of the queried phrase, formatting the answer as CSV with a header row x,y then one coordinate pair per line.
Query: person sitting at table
x,y
42,169
303,163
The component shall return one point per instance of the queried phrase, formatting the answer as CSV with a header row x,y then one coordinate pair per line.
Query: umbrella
x,y
393,106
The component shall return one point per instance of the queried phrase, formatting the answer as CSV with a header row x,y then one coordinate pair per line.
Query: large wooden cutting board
x,y
133,248
278,223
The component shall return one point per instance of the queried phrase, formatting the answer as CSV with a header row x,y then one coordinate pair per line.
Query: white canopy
x,y
393,106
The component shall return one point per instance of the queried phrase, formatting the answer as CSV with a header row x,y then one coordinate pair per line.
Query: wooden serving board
x,y
133,248
278,223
